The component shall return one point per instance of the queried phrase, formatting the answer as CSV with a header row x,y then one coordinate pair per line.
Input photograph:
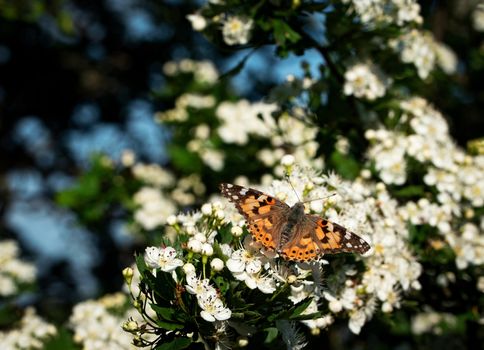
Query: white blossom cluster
x,y
400,12
424,52
422,135
13,271
432,322
153,207
203,71
292,141
242,118
161,194
365,80
97,327
201,241
212,306
31,333
367,209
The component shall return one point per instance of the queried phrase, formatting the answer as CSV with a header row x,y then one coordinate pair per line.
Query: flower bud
x,y
194,245
217,264
207,249
130,326
287,160
206,209
200,237
171,220
242,342
128,275
236,231
188,268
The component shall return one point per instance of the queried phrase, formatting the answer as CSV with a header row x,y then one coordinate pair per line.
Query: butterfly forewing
x,y
265,214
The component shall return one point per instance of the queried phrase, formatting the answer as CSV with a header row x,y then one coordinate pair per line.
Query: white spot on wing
x,y
230,185
243,191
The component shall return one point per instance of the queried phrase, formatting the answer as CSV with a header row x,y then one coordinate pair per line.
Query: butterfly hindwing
x,y
265,214
333,238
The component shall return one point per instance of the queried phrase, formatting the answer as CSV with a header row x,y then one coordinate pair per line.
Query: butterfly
x,y
290,232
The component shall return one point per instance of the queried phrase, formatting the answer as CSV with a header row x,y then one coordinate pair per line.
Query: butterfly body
x,y
288,230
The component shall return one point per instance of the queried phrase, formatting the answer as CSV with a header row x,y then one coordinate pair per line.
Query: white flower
x,y
236,30
266,284
163,258
356,322
213,309
446,58
199,287
242,260
198,22
365,80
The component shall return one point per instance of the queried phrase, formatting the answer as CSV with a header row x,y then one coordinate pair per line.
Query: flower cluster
x,y
212,271
204,72
365,80
97,323
31,333
422,137
400,12
13,272
424,52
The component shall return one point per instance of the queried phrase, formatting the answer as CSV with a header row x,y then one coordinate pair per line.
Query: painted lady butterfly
x,y
288,230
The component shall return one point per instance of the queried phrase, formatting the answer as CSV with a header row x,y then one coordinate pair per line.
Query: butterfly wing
x,y
314,236
265,215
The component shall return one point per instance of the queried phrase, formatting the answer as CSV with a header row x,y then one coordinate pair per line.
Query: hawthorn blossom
x,y
366,81
162,258
237,30
30,333
213,308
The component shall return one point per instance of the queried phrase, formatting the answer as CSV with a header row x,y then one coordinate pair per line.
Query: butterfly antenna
x,y
317,199
290,183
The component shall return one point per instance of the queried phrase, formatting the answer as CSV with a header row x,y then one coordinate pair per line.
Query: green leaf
x,y
61,341
178,343
410,191
300,307
345,165
282,32
222,284
166,312
272,333
140,263
184,160
171,326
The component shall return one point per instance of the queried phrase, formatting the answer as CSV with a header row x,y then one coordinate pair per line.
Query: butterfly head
x,y
297,211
